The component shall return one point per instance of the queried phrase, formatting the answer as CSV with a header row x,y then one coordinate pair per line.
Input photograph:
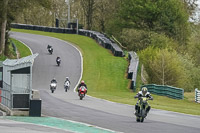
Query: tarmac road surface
x,y
108,115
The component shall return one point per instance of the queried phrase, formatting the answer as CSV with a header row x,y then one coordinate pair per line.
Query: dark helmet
x,y
82,82
144,90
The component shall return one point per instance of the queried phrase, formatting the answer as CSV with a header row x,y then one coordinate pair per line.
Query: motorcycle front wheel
x,y
81,97
143,115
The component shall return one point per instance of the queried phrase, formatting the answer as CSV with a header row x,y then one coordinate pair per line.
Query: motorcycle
x,y
67,86
82,92
53,87
50,50
141,112
58,61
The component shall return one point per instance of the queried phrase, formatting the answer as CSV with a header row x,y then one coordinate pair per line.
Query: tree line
x,y
158,30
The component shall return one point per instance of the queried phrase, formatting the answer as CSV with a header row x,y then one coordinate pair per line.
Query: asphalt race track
x,y
98,112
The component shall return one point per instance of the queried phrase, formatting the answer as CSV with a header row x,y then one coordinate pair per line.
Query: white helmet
x,y
144,90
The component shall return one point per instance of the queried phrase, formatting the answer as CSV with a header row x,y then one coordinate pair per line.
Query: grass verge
x,y
22,49
105,75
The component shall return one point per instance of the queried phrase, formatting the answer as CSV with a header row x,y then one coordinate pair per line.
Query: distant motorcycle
x,y
82,92
50,49
53,87
58,61
142,107
66,86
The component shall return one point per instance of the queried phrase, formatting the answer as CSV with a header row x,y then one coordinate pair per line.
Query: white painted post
x,y
197,95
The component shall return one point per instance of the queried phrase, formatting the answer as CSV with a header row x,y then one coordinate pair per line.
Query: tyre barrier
x,y
43,28
104,41
99,37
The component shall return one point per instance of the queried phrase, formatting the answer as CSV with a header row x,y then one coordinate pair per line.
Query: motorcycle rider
x,y
67,79
48,46
143,93
50,49
58,60
53,80
82,84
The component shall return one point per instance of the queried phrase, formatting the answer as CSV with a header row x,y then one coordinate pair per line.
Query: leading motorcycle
x,y
82,91
50,50
53,87
141,111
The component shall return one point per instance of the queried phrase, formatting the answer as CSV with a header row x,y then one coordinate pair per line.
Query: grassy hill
x,y
105,75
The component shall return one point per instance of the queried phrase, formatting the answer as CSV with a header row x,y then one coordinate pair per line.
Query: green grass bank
x,y
105,75
22,49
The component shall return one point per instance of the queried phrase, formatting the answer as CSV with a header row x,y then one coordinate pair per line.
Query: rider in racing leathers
x,y
67,79
82,84
53,80
143,93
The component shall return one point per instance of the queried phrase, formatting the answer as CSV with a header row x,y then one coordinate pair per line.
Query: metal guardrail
x,y
164,90
132,69
197,95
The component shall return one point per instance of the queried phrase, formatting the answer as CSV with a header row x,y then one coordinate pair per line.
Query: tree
x,y
8,12
167,67
105,11
167,70
169,17
88,7
3,25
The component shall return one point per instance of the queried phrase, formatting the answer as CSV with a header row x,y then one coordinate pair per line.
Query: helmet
x,y
67,78
144,90
82,82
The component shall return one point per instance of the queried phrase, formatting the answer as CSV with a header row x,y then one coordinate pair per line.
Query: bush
x,y
167,67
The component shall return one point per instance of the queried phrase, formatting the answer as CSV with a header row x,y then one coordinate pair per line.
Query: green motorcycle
x,y
142,109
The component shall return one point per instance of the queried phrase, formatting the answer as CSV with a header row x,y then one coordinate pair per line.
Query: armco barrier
x,y
99,37
132,69
197,95
164,90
